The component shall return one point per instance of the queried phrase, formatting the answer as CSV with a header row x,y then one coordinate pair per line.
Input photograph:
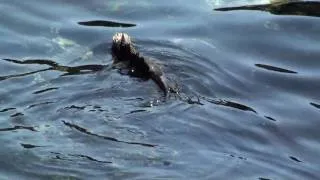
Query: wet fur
x,y
125,56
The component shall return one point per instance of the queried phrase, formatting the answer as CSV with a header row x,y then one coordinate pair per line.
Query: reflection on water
x,y
247,108
272,68
83,130
283,7
53,66
105,23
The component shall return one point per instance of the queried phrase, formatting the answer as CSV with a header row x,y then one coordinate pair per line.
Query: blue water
x,y
249,82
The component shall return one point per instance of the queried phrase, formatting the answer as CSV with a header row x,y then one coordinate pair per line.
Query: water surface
x,y
249,82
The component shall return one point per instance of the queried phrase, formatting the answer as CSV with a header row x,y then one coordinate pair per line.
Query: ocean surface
x,y
248,106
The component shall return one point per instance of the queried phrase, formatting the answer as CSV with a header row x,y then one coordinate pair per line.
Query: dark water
x,y
256,76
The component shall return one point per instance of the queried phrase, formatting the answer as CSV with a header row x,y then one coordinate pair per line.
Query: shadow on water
x,y
53,67
104,23
45,90
29,146
74,157
18,127
7,109
273,68
299,8
83,130
230,104
315,105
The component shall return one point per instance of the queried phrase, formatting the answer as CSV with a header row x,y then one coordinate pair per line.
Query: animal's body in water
x,y
126,57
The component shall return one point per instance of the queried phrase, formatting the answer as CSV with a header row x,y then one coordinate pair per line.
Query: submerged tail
x,y
161,82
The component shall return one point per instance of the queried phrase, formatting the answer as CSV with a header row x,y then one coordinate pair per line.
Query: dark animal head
x,y
122,48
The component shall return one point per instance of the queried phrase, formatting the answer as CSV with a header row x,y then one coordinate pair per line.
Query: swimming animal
x,y
127,58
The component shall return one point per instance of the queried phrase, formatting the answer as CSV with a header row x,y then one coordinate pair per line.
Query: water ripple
x,y
105,23
273,68
246,82
83,130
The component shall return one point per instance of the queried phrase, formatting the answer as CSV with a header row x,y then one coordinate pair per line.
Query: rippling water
x,y
249,84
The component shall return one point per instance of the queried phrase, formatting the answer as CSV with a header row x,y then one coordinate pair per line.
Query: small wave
x,y
273,68
106,23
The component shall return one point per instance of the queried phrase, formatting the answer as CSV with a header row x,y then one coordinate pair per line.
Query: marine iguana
x,y
126,57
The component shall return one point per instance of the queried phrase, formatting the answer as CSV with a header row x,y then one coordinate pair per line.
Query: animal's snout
x,y
121,39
